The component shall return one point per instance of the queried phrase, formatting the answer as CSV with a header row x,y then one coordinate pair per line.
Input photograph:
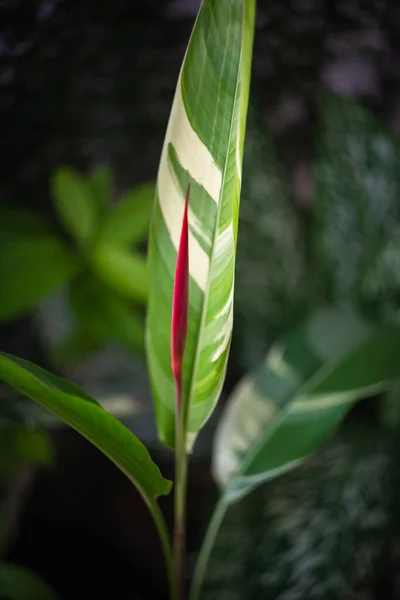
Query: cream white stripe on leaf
x,y
203,145
193,154
317,403
172,206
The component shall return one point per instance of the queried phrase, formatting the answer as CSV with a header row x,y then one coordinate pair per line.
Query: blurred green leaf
x,y
19,583
34,445
104,315
31,267
83,414
123,271
20,444
101,182
129,220
281,414
357,205
75,203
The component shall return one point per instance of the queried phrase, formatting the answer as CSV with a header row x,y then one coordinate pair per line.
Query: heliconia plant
x,y
191,264
276,417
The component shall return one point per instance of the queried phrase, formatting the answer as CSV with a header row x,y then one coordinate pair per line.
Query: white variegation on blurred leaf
x,y
279,415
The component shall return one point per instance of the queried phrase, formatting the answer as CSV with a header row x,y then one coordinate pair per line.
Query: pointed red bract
x,y
180,305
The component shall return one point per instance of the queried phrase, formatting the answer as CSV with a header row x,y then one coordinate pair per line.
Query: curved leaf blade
x,y
86,416
75,203
203,145
279,416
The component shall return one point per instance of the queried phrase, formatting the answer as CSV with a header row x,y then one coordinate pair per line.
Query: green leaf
x,y
35,446
105,316
33,264
83,414
19,583
203,145
101,182
281,414
75,204
121,270
357,205
128,221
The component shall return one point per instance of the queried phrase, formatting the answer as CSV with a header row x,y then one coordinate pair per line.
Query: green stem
x,y
180,505
208,542
166,547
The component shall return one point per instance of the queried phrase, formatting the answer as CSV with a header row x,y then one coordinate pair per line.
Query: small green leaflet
x,y
121,270
83,414
102,315
34,261
203,145
101,187
75,203
281,414
128,220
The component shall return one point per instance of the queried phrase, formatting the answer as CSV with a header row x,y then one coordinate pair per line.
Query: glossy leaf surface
x,y
75,407
203,144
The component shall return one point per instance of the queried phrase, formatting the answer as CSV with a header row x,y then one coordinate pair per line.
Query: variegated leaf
x,y
280,415
203,145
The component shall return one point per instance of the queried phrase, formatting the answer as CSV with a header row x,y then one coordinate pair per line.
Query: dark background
x,y
91,82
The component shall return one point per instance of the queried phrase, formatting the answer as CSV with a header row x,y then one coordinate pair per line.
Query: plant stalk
x,y
205,551
179,547
166,547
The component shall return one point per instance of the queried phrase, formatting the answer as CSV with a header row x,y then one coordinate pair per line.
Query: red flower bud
x,y
180,305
